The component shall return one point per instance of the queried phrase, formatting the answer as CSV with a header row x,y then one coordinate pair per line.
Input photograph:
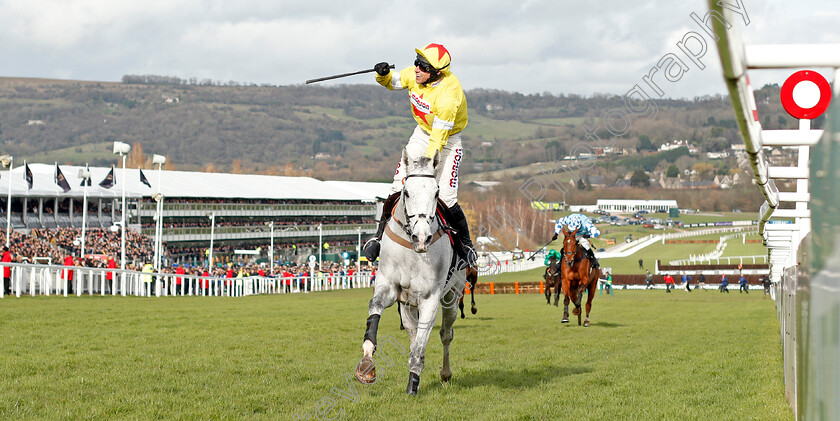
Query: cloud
x,y
531,46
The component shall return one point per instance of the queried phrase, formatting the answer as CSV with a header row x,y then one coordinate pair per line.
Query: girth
x,y
405,243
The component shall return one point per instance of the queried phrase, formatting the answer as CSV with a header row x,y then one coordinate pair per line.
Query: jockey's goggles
x,y
424,65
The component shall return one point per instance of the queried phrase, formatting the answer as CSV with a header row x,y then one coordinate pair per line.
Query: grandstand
x,y
242,204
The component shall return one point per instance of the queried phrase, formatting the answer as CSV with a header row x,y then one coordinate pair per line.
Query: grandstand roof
x,y
370,190
186,184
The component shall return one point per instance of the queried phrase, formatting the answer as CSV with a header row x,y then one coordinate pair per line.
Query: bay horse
x,y
578,276
552,280
414,268
472,280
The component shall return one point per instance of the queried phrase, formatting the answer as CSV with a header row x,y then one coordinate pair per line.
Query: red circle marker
x,y
790,105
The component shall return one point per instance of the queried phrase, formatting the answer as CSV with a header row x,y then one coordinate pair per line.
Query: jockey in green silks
x,y
552,254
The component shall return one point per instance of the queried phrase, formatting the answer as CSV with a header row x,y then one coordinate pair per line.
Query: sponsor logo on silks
x,y
420,107
453,179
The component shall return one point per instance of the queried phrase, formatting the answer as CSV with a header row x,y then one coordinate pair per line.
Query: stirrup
x,y
593,261
371,249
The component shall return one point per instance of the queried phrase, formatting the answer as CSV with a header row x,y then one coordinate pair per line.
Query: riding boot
x,y
462,230
592,259
371,247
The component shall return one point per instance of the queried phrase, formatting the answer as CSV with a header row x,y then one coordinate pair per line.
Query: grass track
x,y
649,355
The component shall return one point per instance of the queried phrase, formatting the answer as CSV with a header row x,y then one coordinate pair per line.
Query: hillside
x,y
353,132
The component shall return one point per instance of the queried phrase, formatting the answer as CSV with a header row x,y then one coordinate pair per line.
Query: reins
x,y
406,226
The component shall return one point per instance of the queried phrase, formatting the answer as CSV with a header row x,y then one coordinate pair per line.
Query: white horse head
x,y
419,197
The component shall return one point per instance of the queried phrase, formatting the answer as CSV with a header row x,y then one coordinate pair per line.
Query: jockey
x,y
552,254
585,229
439,106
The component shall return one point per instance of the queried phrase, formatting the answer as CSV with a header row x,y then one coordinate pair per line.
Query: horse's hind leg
x,y
547,294
446,335
427,312
472,278
461,305
590,294
556,294
384,296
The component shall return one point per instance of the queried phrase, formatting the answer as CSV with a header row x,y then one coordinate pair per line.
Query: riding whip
x,y
538,250
321,79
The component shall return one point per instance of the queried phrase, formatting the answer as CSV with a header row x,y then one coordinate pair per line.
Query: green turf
x,y
648,355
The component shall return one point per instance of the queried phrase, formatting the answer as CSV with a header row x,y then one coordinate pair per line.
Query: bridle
x,y
408,217
569,256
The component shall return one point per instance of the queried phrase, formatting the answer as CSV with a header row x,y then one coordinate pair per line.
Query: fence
x,y
493,266
33,279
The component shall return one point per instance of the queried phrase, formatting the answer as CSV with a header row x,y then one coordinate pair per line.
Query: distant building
x,y
483,186
669,182
634,205
668,146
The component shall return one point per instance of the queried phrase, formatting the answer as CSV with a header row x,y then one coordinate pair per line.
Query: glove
x,y
382,69
555,237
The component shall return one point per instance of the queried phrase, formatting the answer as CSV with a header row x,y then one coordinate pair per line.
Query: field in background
x,y
648,355
664,252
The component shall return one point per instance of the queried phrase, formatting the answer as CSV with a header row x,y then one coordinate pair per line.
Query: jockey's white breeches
x,y
583,241
447,170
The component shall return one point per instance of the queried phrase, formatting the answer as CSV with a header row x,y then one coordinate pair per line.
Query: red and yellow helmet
x,y
436,55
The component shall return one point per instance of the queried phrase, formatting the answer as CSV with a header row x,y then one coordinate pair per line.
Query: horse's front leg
x,y
547,294
427,312
473,308
384,296
447,333
565,309
556,295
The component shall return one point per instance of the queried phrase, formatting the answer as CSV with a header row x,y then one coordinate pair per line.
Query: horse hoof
x,y
445,378
586,323
555,305
413,384
462,316
474,310
565,320
366,371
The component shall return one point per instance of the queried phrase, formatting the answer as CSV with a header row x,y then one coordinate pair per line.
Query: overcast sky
x,y
529,46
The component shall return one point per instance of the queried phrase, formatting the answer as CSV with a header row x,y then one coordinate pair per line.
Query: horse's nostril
x,y
414,238
428,239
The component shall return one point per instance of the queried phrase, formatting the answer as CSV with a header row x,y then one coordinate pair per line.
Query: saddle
x,y
459,258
